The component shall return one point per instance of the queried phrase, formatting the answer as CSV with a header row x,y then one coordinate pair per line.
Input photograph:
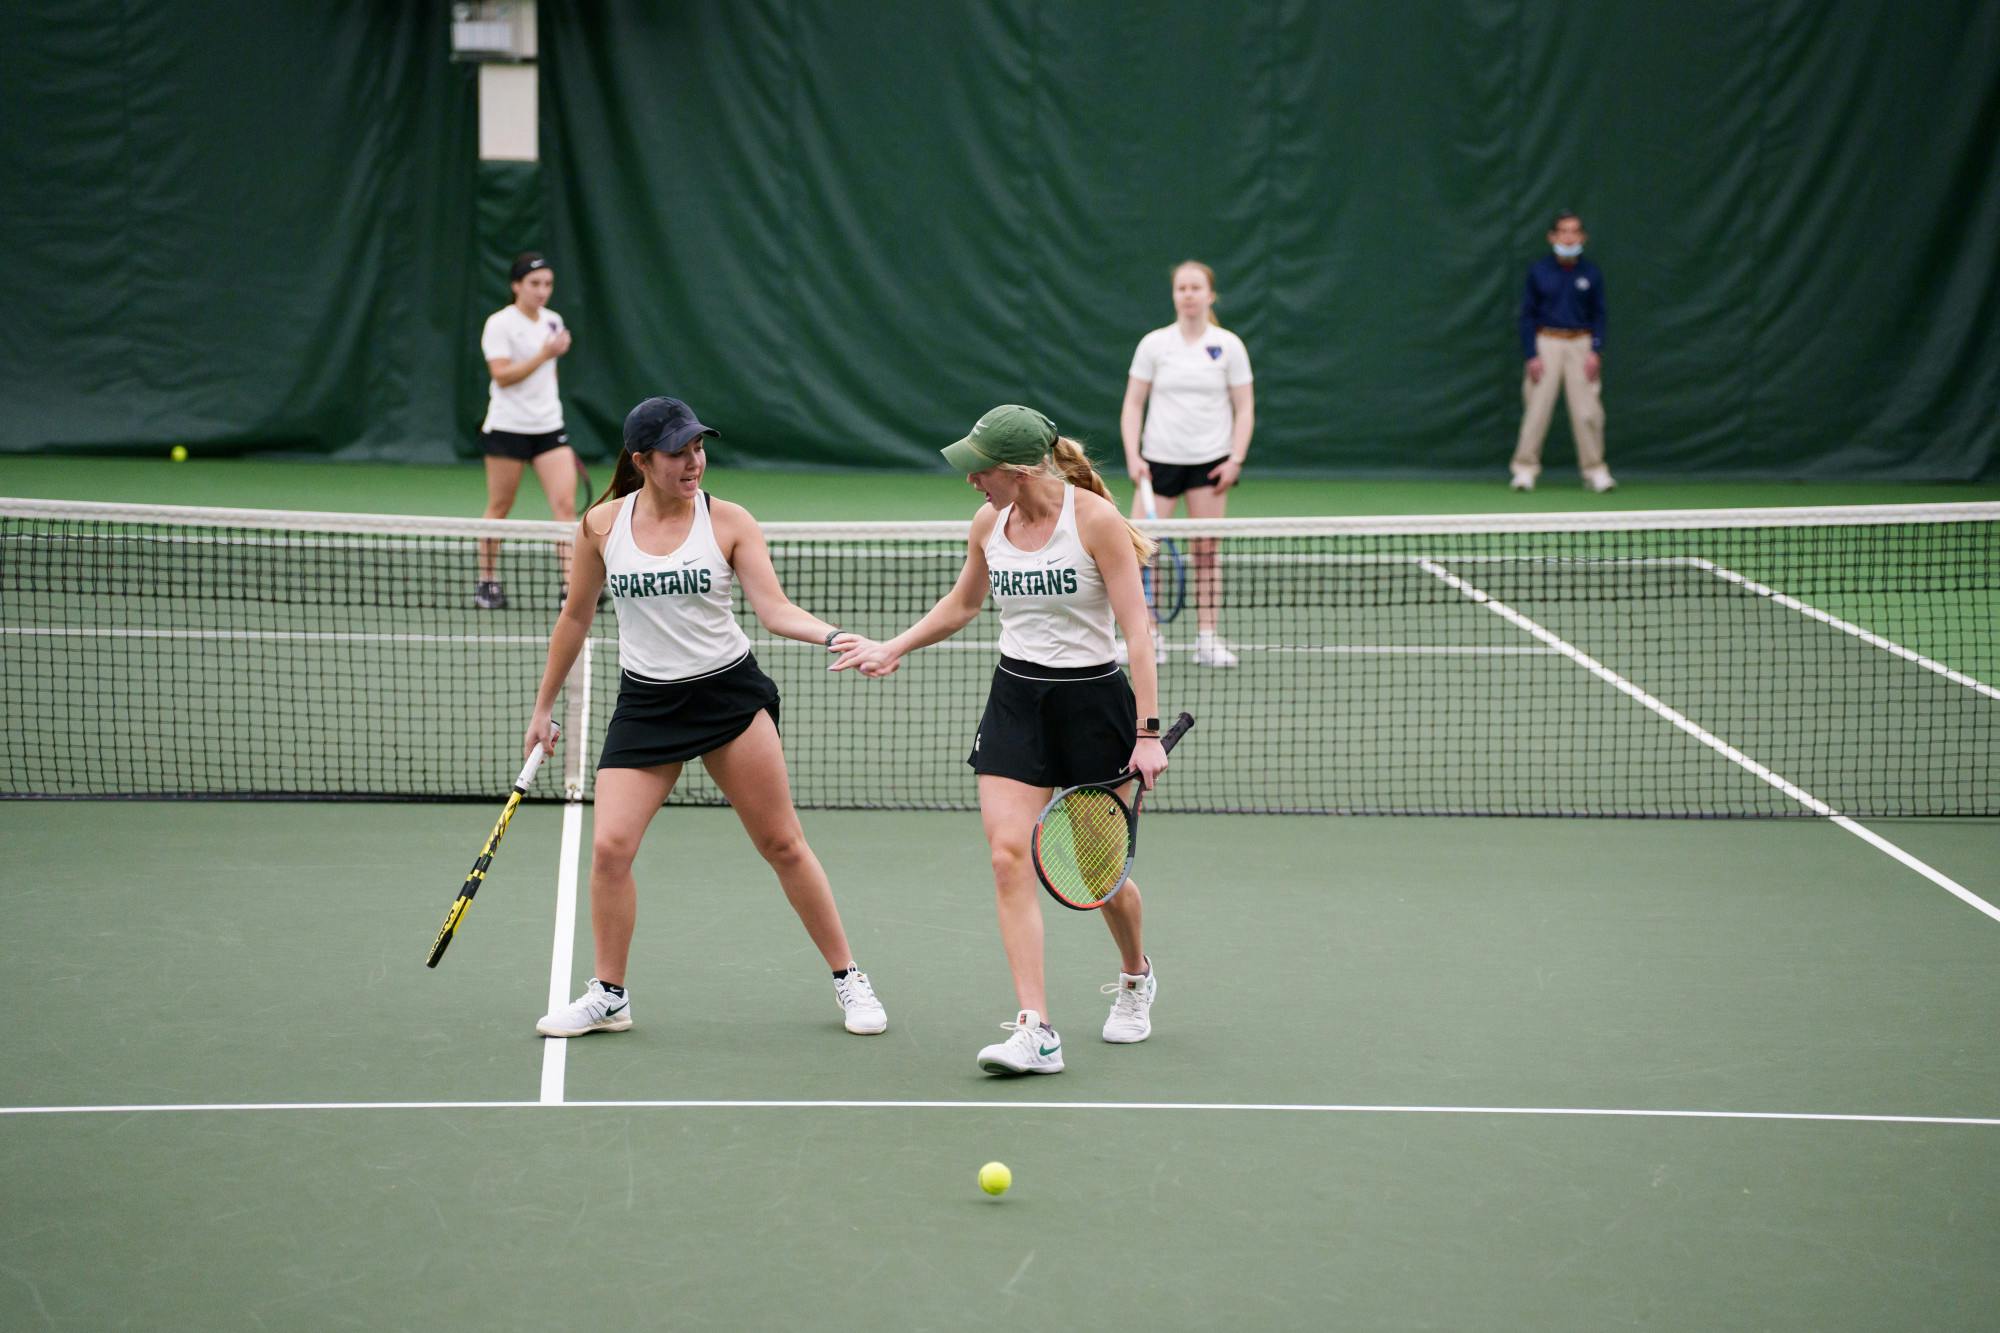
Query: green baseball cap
x,y
1008,434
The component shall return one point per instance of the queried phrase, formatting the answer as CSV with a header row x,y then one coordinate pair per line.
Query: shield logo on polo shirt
x,y
1583,284
1214,353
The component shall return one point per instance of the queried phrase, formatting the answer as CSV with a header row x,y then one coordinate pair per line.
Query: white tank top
x,y
675,618
1053,606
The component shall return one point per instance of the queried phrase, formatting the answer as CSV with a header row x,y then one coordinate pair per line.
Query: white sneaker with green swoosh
x,y
1033,1049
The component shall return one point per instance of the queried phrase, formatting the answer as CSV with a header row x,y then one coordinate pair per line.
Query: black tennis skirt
x,y
1056,726
522,448
671,722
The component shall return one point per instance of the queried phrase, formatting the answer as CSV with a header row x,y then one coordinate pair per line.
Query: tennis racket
x,y
1086,838
1163,604
478,875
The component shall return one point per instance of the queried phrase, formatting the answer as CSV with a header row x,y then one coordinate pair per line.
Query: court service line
x,y
1706,737
1868,637
555,1050
889,1104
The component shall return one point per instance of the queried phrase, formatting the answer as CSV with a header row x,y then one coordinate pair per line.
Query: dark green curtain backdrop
x,y
235,226
842,229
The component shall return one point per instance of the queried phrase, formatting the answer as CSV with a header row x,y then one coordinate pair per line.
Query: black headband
x,y
523,267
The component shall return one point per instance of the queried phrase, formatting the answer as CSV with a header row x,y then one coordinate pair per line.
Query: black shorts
x,y
1171,479
512,444
1056,726
671,722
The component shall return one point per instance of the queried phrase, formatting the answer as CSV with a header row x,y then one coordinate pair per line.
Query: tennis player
x,y
671,556
524,417
1188,413
1061,564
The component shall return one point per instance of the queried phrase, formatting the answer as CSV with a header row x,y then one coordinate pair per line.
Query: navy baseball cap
x,y
663,423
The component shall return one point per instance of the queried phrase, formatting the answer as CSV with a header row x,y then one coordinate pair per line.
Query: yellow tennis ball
x,y
179,453
994,1178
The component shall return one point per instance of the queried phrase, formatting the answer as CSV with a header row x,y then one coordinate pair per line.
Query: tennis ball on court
x,y
179,453
994,1178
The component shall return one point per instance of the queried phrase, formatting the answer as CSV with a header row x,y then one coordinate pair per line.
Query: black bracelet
x,y
833,634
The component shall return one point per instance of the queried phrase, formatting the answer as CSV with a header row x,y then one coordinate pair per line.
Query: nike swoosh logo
x,y
1051,1050
613,1013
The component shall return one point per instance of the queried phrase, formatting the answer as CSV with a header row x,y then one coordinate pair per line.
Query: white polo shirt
x,y
1188,416
527,406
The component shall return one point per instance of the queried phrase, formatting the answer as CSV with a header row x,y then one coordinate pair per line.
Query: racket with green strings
x,y
480,866
1087,835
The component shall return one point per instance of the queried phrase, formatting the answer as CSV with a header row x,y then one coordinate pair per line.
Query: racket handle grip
x,y
1180,728
534,763
1146,498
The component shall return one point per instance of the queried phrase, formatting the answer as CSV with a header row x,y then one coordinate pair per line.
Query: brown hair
x,y
1068,462
625,479
1208,273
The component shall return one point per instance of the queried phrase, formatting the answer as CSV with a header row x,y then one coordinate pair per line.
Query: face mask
x,y
1568,251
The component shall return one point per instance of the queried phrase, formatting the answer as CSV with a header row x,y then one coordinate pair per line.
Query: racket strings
x,y
1085,841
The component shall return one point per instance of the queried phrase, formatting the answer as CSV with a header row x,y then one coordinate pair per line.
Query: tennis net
x,y
1695,663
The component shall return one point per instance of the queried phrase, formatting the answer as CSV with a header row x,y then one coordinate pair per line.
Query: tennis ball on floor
x,y
179,453
994,1178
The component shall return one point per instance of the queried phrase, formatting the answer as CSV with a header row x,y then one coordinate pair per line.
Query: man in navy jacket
x,y
1562,341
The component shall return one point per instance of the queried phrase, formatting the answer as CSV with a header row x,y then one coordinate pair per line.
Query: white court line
x,y
1713,742
865,1104
1868,637
555,1050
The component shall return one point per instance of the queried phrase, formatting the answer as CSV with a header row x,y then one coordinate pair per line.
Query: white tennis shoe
x,y
1033,1049
596,1010
1132,1006
1598,481
1523,480
865,1014
1209,652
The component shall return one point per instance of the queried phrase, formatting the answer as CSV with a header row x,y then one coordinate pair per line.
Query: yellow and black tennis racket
x,y
1084,842
478,875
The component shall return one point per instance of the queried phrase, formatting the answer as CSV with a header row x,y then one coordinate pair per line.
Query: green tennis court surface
x,y
1406,1073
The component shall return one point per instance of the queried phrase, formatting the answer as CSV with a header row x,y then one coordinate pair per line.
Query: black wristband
x,y
833,634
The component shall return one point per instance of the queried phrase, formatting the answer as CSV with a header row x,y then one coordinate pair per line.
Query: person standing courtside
x,y
1562,341
524,417
1188,414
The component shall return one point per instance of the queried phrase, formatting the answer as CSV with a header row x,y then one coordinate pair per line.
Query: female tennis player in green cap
x,y
671,557
1062,564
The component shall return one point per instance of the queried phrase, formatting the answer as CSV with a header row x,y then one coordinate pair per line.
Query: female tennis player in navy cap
x,y
1062,564
671,556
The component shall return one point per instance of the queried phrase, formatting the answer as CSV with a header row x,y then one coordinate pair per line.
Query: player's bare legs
x,y
627,800
750,770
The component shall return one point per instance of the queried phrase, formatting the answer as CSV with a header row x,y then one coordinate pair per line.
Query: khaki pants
x,y
1562,371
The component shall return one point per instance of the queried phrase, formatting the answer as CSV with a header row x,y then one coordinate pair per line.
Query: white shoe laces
x,y
855,989
1128,1004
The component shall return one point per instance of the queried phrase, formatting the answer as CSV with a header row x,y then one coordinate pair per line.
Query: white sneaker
x,y
865,1014
1033,1049
1131,1012
1598,482
1209,652
596,1010
1523,481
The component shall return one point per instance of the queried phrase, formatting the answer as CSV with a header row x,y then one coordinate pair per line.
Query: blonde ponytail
x,y
1068,461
